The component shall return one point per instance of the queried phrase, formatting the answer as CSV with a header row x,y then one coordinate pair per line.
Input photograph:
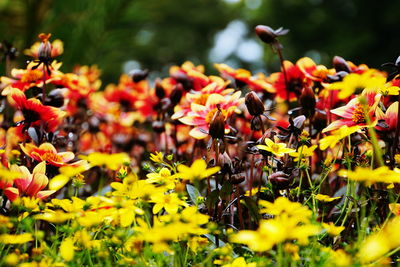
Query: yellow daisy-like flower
x,y
278,149
197,171
303,152
170,202
332,140
379,175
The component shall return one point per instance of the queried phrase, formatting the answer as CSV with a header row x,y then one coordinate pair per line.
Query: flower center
x,y
275,148
31,76
51,157
358,115
202,99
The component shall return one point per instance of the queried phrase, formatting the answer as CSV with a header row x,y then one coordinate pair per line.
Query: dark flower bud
x,y
55,98
280,180
254,104
307,101
225,162
158,126
237,178
44,52
217,125
160,92
176,94
319,121
340,64
184,80
138,75
268,35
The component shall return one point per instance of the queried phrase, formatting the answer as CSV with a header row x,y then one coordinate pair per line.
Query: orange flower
x,y
35,113
29,184
29,77
312,71
200,116
47,152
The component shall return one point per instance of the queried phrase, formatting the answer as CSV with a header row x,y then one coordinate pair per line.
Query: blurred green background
x,y
119,35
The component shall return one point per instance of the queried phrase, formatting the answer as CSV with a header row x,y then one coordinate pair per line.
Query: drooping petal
x,y
39,182
11,193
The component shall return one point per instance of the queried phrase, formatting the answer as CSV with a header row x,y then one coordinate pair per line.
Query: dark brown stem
x,y
239,205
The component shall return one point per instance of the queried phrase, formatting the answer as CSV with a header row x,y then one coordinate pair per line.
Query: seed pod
x,y
340,64
217,125
254,104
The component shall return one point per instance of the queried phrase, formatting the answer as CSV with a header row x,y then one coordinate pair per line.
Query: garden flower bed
x,y
298,167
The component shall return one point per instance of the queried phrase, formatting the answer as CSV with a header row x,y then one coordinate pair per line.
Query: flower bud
x,y
138,75
158,126
176,95
280,180
319,121
340,64
307,101
268,35
237,178
217,125
160,92
254,104
44,52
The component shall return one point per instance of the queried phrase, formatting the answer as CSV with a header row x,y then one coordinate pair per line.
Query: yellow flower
x,y
110,161
157,157
379,175
197,171
240,262
67,249
336,136
292,249
332,229
15,239
57,216
162,177
278,149
303,152
354,83
197,242
170,202
325,198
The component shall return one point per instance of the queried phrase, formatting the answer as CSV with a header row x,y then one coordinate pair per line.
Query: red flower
x,y
296,81
47,152
35,113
